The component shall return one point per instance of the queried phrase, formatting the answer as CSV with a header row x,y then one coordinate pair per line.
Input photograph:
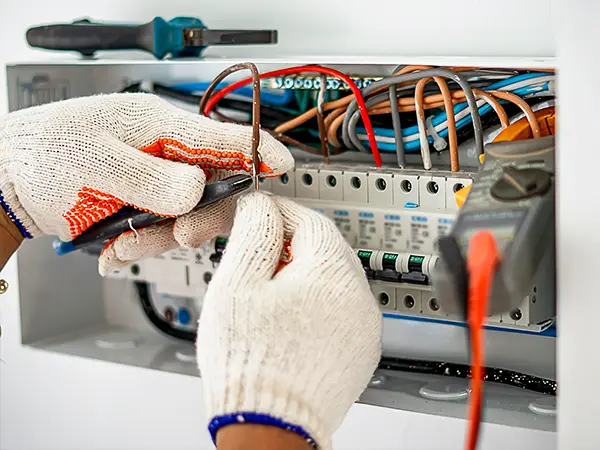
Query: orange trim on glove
x,y
94,206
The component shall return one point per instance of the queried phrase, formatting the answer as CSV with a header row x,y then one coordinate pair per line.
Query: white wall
x,y
58,402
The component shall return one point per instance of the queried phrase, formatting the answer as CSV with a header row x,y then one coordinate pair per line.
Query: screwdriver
x,y
130,218
179,37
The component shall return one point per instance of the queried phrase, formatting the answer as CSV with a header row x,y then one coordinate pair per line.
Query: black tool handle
x,y
86,37
128,218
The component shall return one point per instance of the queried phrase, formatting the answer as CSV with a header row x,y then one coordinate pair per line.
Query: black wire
x,y
494,375
162,325
271,116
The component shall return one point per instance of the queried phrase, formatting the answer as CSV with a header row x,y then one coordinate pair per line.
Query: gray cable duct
x,y
386,82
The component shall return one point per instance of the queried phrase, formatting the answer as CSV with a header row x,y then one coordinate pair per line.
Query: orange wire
x,y
495,104
482,259
345,101
509,97
449,107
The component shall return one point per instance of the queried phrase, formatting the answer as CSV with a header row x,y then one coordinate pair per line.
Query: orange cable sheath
x,y
522,104
495,104
449,107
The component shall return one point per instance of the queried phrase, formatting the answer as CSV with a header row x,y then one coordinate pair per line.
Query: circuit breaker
x,y
392,215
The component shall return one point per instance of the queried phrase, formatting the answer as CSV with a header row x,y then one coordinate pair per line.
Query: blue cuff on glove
x,y
13,218
260,419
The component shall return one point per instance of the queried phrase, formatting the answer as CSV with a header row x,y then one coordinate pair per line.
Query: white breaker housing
x,y
394,216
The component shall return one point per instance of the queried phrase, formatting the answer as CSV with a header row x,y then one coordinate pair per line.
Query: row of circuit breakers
x,y
392,218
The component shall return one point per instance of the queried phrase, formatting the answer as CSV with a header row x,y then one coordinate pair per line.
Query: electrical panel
x,y
391,215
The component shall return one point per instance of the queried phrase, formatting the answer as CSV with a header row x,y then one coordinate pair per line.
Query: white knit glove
x,y
293,349
66,165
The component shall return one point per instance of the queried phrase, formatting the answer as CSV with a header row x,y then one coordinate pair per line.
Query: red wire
x,y
217,96
482,259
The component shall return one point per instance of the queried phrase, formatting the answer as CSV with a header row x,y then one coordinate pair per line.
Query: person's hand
x,y
293,348
69,164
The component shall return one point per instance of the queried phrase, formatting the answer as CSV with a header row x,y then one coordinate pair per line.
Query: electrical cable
x,y
386,82
397,126
270,116
278,97
143,291
495,105
206,98
482,259
515,80
505,377
501,376
358,100
462,119
533,122
454,163
321,120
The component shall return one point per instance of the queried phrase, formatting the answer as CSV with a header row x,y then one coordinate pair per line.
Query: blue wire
x,y
517,79
274,97
410,131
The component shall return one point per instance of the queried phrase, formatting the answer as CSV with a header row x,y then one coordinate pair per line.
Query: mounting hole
x,y
406,186
535,289
285,179
433,304
384,299
380,184
331,181
409,301
355,182
533,299
516,314
457,187
433,188
207,277
135,269
307,179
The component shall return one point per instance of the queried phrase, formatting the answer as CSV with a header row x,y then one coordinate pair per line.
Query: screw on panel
x,y
307,179
207,277
384,299
409,301
457,187
3,286
433,188
516,314
434,305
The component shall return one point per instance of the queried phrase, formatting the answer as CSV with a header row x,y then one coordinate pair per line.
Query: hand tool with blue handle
x,y
130,218
179,37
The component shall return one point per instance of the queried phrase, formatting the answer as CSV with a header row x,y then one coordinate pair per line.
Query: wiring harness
x,y
416,109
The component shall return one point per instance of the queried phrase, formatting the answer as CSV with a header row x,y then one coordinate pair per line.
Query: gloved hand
x,y
67,165
294,348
